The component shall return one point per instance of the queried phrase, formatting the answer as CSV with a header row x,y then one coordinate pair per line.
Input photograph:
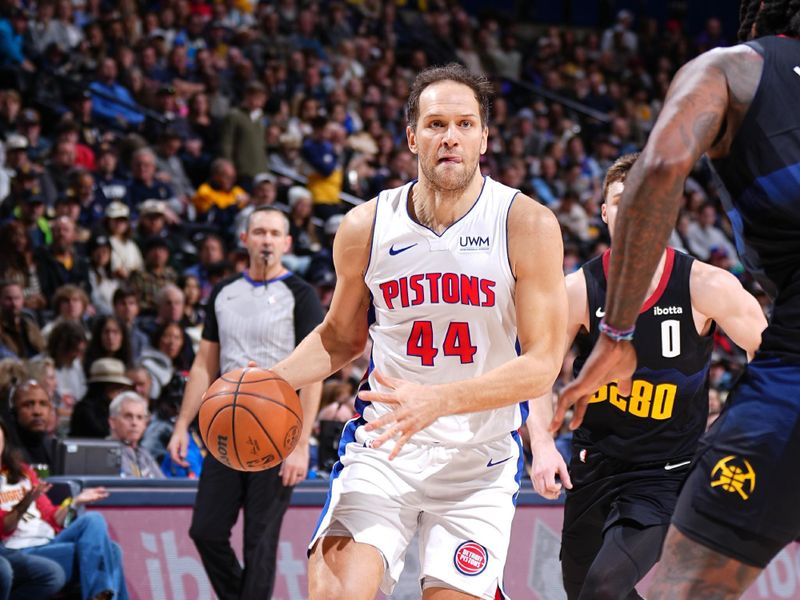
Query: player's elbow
x,y
665,166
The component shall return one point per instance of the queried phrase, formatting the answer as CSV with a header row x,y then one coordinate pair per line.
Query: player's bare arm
x,y
341,337
717,295
536,254
547,460
701,112
204,368
294,468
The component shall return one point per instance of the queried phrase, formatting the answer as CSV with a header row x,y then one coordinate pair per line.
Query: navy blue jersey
x,y
668,407
761,175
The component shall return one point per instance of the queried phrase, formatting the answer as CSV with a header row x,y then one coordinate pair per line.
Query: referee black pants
x,y
221,494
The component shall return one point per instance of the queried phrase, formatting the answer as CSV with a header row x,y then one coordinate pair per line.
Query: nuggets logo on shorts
x,y
734,477
470,558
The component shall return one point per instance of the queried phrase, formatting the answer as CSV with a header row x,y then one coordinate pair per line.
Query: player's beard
x,y
455,180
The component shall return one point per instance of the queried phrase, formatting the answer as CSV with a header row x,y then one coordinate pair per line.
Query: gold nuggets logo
x,y
734,477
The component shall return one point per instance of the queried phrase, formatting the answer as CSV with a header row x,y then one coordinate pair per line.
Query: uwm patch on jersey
x,y
443,303
666,411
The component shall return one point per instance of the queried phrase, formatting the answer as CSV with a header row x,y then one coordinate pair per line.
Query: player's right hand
x,y
179,446
609,361
547,463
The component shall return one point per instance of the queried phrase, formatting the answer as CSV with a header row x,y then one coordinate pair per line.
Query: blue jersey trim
x,y
521,459
348,436
508,252
253,282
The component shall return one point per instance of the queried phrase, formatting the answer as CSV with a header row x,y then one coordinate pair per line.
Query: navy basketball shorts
x,y
742,495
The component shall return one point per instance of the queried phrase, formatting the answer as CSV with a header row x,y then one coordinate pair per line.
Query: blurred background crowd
x,y
137,137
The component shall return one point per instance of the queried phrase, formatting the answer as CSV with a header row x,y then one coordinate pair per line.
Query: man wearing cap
x,y
156,273
31,127
242,135
12,30
20,336
26,205
107,379
113,185
61,263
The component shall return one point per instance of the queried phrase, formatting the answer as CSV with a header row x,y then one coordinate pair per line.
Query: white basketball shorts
x,y
461,500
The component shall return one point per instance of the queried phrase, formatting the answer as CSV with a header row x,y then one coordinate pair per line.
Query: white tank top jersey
x,y
443,307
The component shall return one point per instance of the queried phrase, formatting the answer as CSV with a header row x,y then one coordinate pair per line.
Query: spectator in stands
x,y
142,380
27,206
572,217
212,252
61,263
102,281
106,380
30,125
66,345
59,169
109,339
219,199
43,369
111,101
125,254
242,134
325,176
126,309
20,337
703,235
24,577
264,194
17,264
112,185
70,304
169,165
144,185
31,411
163,358
128,420
31,523
156,274
12,54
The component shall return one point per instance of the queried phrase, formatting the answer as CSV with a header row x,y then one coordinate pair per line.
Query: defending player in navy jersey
x,y
740,503
631,453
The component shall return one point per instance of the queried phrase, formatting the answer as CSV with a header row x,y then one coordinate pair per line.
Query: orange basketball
x,y
250,419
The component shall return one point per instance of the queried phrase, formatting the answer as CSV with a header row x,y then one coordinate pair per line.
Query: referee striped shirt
x,y
261,321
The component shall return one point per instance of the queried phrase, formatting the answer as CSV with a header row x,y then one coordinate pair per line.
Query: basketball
x,y
250,419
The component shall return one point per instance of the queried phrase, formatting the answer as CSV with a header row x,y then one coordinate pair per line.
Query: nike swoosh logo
x,y
393,252
499,462
600,313
669,467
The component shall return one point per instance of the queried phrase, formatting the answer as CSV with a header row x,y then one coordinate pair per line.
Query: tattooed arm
x,y
702,111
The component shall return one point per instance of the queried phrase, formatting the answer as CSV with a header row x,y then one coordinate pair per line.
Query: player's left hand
x,y
90,495
294,467
609,361
417,407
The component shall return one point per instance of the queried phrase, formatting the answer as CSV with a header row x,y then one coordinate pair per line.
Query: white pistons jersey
x,y
443,306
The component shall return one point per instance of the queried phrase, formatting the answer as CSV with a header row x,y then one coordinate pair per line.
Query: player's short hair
x,y
267,209
770,17
618,172
481,86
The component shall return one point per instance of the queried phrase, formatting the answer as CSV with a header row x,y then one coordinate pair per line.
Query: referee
x,y
259,315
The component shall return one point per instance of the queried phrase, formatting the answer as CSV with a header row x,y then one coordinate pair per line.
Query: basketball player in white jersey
x,y
444,274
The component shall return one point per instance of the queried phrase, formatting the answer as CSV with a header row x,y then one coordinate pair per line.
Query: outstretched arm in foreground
x,y
694,111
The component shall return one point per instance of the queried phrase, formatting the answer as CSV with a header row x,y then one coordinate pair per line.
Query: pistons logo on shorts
x,y
470,558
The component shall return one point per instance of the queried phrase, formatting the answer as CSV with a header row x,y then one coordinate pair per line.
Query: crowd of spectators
x,y
137,137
